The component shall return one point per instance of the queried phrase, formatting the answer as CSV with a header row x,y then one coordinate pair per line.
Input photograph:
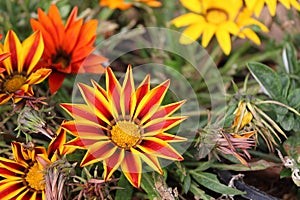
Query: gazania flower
x,y
244,21
120,4
20,71
209,18
123,126
68,47
24,176
257,5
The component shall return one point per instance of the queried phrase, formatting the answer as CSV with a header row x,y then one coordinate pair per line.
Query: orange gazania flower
x,y
68,48
120,4
20,71
24,176
122,126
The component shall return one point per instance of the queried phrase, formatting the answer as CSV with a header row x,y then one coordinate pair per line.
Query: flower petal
x,y
10,189
132,168
151,101
193,5
55,81
192,33
98,152
113,92
112,163
159,148
223,38
127,93
188,19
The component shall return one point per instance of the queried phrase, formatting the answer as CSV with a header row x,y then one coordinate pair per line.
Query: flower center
x,y
35,178
13,84
62,58
125,134
216,16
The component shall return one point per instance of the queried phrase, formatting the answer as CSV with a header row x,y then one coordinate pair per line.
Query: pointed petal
x,y
151,160
113,92
88,130
161,125
98,152
38,76
12,166
33,48
188,19
127,93
223,38
81,111
167,110
192,33
208,33
159,148
13,45
140,92
11,189
81,143
71,36
170,138
112,163
92,64
193,5
132,168
3,57
55,81
97,102
151,101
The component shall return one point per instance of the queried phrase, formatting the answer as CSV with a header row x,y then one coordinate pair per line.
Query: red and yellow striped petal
x,y
97,102
32,50
151,102
159,148
128,99
13,45
132,168
113,92
112,163
169,137
10,189
98,152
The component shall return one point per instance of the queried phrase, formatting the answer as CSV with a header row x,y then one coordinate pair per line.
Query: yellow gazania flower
x,y
24,176
257,5
242,116
123,126
244,20
209,18
120,4
20,70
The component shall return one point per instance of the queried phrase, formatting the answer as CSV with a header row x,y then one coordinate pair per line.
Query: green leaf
x,y
294,98
267,78
198,192
126,193
289,58
186,183
285,172
288,122
147,184
210,181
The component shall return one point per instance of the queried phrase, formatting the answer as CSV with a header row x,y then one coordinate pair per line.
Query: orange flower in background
x,y
24,176
69,47
123,126
120,4
19,71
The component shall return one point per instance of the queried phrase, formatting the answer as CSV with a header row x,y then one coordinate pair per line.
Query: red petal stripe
x,y
32,51
112,163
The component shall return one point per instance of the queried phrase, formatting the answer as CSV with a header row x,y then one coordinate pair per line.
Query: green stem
x,y
264,156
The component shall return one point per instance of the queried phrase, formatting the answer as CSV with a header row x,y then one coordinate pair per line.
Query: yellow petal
x,y
249,33
272,4
223,38
191,34
193,5
208,33
187,19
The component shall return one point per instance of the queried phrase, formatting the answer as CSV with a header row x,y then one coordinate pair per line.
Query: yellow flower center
x,y
125,134
216,16
35,178
13,84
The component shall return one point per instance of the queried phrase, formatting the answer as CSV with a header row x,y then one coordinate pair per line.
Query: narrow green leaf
x,y
126,193
267,78
186,183
210,181
198,193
